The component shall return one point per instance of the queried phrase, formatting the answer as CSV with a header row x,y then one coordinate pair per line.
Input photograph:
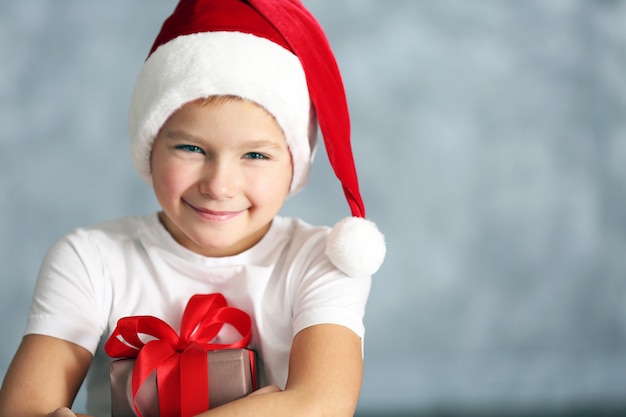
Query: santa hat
x,y
273,53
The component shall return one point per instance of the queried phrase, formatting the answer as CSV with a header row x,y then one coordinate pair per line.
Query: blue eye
x,y
190,148
254,155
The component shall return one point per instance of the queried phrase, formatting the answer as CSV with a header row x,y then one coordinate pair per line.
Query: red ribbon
x,y
180,361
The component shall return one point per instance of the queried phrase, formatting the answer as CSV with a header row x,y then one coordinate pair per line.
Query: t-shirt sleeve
x,y
325,295
65,304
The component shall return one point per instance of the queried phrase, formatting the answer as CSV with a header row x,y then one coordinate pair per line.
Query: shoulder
x,y
304,252
300,229
302,237
107,237
319,291
121,228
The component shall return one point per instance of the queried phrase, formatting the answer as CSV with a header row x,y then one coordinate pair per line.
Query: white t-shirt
x,y
132,266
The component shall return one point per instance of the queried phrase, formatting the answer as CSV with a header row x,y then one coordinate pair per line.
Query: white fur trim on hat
x,y
200,65
356,247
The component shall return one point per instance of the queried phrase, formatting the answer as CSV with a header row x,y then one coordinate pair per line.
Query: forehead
x,y
228,98
227,117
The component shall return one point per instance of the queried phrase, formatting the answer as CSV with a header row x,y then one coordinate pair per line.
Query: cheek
x,y
162,184
274,185
167,178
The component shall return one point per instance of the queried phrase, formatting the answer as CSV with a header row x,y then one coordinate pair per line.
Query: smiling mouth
x,y
213,215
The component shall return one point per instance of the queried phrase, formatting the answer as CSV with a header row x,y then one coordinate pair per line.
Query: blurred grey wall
x,y
490,139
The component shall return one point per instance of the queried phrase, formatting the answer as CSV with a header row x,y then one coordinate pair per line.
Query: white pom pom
x,y
356,247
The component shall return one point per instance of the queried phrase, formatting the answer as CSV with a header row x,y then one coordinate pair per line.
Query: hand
x,y
264,390
62,412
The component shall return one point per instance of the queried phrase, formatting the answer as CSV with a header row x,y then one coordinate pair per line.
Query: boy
x,y
223,125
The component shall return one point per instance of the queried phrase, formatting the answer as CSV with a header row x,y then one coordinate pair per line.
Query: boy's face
x,y
221,171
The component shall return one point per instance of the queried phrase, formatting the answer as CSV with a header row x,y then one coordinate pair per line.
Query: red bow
x,y
183,386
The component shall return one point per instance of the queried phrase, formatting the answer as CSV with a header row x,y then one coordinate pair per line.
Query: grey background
x,y
490,142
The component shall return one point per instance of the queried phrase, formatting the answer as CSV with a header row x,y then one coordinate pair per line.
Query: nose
x,y
219,180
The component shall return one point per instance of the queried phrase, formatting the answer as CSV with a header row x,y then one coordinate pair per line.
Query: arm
x,y
44,376
325,372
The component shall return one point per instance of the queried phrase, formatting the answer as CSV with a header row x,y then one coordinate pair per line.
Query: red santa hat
x,y
273,53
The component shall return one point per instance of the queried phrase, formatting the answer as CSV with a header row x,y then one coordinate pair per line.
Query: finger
x,y
62,412
266,390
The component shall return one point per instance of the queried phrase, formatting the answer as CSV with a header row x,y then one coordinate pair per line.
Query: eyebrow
x,y
248,144
180,135
261,143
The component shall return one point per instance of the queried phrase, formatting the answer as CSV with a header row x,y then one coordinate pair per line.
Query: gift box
x,y
163,374
231,374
